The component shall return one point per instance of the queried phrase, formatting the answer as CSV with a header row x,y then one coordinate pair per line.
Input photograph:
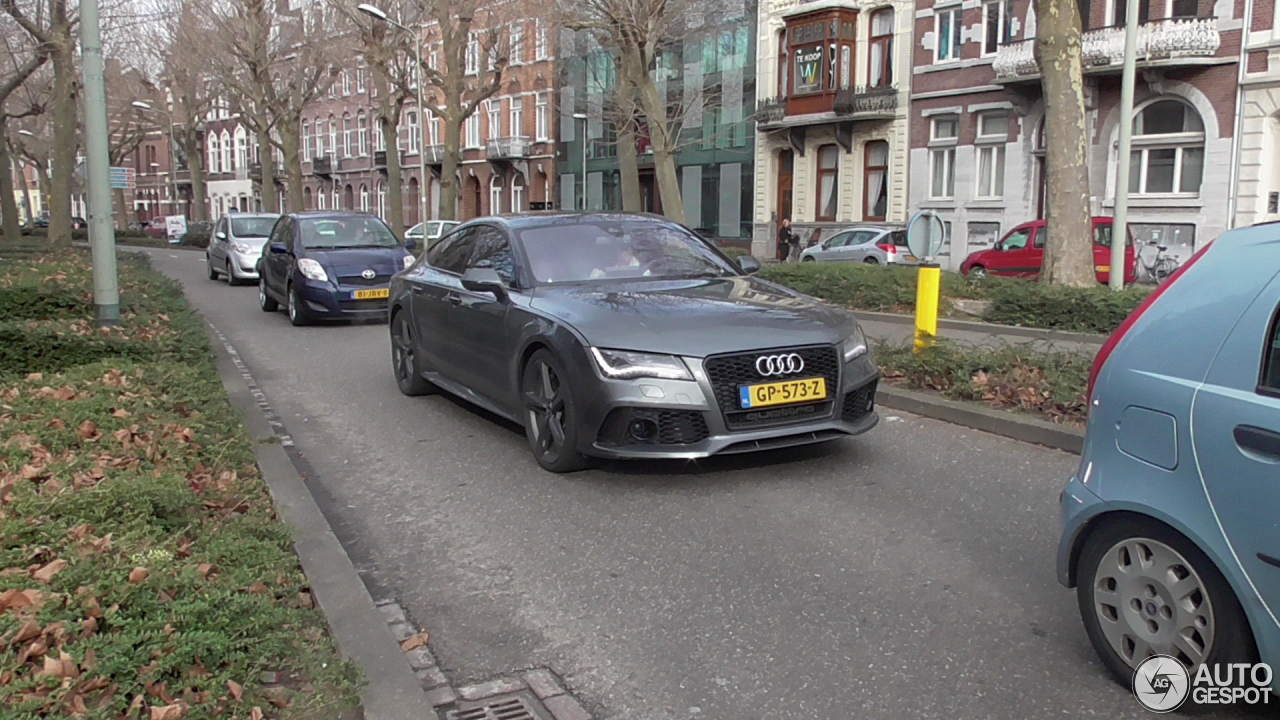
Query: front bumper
x,y
244,265
687,411
324,299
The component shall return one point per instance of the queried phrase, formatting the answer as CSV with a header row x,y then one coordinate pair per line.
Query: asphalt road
x,y
905,573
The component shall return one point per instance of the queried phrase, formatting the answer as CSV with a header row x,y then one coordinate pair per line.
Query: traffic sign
x,y
925,234
122,178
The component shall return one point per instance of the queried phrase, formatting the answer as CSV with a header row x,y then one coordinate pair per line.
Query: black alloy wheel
x,y
297,311
549,414
404,359
265,301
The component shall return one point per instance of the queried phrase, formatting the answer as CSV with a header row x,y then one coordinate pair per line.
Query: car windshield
x,y
415,230
346,232
601,249
252,227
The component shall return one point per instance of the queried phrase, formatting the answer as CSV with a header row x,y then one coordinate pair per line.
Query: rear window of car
x,y
252,227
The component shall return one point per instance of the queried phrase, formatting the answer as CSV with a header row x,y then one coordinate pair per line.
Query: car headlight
x,y
856,345
408,260
241,248
625,365
312,270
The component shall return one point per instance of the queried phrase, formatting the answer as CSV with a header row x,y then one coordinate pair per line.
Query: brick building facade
x,y
977,118
1258,160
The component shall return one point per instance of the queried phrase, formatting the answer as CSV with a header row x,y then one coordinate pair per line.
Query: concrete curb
x,y
999,422
393,692
988,328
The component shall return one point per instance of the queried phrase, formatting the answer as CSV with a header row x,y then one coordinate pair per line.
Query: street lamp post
x,y
173,156
26,189
102,233
378,14
583,118
1120,223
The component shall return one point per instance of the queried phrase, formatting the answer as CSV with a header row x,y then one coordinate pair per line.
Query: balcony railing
x,y
255,172
1165,39
771,110
508,148
433,154
379,158
867,101
323,165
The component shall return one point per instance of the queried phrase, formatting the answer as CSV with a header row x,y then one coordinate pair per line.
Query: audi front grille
x,y
728,373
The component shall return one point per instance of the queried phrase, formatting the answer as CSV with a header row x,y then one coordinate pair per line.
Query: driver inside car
x,y
624,258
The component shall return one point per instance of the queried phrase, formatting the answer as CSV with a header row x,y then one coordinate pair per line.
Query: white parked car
x,y
870,244
435,229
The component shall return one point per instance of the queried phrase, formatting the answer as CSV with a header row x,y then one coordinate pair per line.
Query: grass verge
x,y
1046,384
143,572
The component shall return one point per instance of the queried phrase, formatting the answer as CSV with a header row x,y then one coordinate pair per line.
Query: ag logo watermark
x,y
1162,684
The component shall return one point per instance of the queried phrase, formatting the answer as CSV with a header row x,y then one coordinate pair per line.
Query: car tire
x,y
265,301
231,276
1121,630
808,258
871,261
208,264
296,310
977,272
404,358
550,414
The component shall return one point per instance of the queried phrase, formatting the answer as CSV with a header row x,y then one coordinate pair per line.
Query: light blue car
x,y
1172,521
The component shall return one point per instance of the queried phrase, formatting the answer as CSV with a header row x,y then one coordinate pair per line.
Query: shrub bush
x,y
28,303
196,238
853,285
1032,304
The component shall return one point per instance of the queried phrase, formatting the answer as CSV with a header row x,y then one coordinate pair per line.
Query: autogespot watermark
x,y
1162,684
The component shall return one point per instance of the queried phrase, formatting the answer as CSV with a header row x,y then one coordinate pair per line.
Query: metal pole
x,y
422,135
173,165
584,163
1120,225
102,234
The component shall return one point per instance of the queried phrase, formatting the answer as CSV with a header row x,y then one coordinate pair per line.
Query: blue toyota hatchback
x,y
330,265
1172,521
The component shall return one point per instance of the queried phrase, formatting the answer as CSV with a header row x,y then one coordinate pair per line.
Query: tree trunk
x,y
122,211
1068,254
664,160
292,161
64,136
195,165
26,189
268,187
629,169
395,182
8,205
449,168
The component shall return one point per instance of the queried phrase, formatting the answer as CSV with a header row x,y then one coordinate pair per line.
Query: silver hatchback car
x,y
870,244
236,244
1172,521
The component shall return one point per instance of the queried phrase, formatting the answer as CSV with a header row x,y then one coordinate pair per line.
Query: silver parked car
x,y
870,244
434,230
236,244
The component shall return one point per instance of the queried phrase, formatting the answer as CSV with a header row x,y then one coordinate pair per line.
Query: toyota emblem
x,y
787,364
368,274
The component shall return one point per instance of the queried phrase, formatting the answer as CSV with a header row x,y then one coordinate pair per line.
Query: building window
x,y
942,157
828,182
319,138
993,135
306,140
783,75
495,119
517,116
541,46
228,153
473,55
346,83
382,200
360,77
473,130
880,68
1168,150
436,137
364,198
362,134
876,181
333,135
517,193
322,201
379,139
413,131
946,31
997,25
517,43
544,116
495,195
348,136
242,148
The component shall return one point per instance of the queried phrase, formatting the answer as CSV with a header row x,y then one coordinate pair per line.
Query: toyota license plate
x,y
783,393
379,294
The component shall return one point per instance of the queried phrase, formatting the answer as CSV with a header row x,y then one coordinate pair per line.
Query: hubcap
x,y
544,397
293,305
402,350
262,292
1150,601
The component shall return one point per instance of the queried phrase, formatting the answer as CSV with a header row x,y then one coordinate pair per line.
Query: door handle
x,y
1258,440
454,299
415,289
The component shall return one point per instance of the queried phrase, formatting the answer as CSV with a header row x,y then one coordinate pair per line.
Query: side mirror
x,y
998,246
279,248
485,280
410,244
748,264
221,235
826,244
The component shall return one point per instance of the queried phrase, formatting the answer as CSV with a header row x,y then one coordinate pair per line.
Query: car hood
x,y
384,261
695,318
255,244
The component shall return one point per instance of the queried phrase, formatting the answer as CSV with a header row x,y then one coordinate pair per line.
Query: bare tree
x,y
17,72
1068,255
51,24
177,46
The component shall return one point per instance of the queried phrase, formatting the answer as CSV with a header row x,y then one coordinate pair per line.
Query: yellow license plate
x,y
1102,268
380,294
783,393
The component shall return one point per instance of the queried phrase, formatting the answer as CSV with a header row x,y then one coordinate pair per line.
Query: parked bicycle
x,y
1161,266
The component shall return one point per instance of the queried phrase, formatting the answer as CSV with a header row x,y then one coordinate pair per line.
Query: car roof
x,y
329,214
252,215
544,218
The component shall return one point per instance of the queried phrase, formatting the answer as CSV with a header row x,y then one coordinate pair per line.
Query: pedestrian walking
x,y
788,241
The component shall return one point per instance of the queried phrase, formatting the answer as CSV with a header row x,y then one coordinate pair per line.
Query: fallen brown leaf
x,y
235,689
414,642
30,629
20,600
138,575
48,570
259,589
89,430
169,712
255,714
35,377
121,413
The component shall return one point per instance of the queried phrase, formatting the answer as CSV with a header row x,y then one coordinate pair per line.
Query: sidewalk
x,y
900,330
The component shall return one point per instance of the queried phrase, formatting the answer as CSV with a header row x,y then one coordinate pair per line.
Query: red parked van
x,y
1020,253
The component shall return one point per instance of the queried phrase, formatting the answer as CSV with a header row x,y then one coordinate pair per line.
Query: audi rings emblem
x,y
368,274
787,364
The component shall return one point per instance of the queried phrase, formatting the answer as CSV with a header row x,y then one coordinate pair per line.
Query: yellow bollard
x,y
928,290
